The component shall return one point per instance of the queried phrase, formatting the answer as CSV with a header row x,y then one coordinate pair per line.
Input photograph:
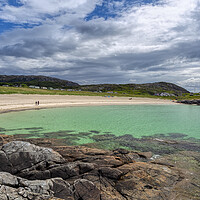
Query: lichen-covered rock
x,y
147,181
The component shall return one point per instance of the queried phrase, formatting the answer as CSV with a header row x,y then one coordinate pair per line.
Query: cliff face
x,y
35,80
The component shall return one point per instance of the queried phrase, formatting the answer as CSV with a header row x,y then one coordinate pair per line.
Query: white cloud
x,y
193,84
35,11
145,43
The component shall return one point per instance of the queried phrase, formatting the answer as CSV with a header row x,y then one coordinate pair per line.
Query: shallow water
x,y
80,123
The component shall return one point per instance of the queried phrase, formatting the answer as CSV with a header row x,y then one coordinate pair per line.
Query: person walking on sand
x,y
38,103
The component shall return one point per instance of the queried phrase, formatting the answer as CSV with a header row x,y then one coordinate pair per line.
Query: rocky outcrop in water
x,y
80,173
190,102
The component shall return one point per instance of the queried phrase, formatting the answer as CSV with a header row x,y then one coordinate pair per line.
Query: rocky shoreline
x,y
190,102
29,170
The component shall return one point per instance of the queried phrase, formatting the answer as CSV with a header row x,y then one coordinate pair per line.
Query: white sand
x,y
15,102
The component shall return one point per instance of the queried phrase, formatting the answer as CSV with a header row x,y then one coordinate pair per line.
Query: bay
x,y
80,123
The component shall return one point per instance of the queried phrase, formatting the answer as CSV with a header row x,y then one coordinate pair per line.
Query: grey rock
x,y
9,193
13,188
42,171
38,186
65,171
5,164
103,175
62,189
8,179
23,155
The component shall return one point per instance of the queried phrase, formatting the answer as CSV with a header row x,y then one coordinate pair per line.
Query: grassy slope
x,y
14,90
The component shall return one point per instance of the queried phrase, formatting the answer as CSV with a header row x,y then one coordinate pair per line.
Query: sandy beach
x,y
16,102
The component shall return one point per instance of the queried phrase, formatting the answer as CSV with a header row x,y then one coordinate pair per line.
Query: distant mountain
x,y
42,81
148,88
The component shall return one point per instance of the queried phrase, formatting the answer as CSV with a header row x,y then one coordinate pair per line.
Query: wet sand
x,y
17,102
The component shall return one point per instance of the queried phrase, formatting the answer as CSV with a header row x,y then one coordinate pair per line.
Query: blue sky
x,y
15,3
107,9
113,8
98,41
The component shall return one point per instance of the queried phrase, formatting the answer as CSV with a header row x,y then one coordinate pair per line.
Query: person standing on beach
x,y
38,103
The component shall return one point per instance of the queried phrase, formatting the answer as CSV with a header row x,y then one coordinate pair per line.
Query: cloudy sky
x,y
102,41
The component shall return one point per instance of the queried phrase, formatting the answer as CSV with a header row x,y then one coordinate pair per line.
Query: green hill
x,y
149,89
138,89
41,81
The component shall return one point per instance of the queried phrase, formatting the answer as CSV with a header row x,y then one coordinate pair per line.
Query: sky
x,y
102,41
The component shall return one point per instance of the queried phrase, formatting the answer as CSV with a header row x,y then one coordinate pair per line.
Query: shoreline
x,y
22,102
105,172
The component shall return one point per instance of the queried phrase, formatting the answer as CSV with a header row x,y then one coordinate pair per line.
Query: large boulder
x,y
22,155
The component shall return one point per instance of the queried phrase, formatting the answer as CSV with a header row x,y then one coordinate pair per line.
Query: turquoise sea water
x,y
137,120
